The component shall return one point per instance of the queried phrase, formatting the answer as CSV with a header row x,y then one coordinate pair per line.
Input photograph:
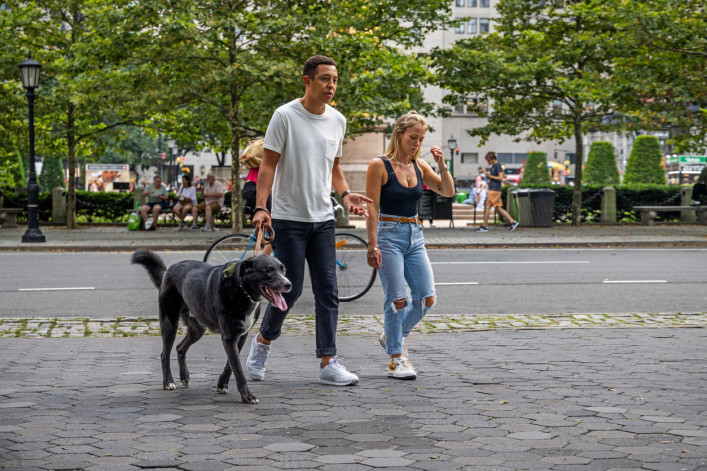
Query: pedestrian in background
x,y
396,246
495,178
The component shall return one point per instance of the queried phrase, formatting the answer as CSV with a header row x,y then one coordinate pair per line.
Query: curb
x,y
355,325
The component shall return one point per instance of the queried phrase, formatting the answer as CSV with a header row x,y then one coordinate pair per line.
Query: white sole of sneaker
x,y
334,383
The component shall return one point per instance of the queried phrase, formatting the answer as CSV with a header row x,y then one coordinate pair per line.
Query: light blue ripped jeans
x,y
404,259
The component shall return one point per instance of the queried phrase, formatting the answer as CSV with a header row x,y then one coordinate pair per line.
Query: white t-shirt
x,y
217,187
307,144
188,193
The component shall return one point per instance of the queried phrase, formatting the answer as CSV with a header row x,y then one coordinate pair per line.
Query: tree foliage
x,y
12,171
665,75
601,166
227,64
645,162
547,70
536,170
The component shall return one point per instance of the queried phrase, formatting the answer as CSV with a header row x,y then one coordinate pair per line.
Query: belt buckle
x,y
400,220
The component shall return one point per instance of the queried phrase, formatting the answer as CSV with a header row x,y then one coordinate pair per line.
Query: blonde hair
x,y
405,122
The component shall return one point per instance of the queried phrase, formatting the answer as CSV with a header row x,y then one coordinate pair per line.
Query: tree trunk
x,y
71,147
236,197
578,165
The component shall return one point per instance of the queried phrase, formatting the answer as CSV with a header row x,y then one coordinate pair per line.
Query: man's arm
x,y
266,175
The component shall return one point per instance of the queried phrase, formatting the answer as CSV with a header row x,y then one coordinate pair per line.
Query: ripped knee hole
x,y
399,303
429,301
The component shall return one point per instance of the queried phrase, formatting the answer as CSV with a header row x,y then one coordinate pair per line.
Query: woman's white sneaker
x,y
401,368
336,374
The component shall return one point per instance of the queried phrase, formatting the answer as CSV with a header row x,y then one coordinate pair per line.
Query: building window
x,y
460,29
459,3
472,26
459,108
483,25
484,3
472,3
470,157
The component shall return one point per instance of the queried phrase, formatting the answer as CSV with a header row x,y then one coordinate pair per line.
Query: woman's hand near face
x,y
438,155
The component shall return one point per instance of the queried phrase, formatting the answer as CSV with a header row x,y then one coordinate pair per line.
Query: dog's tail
x,y
153,264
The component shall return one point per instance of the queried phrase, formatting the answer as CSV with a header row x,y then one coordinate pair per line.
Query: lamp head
x,y
30,73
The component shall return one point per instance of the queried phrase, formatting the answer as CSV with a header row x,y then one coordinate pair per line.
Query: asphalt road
x,y
485,281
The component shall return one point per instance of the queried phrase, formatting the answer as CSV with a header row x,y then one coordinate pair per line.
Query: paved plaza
x,y
505,399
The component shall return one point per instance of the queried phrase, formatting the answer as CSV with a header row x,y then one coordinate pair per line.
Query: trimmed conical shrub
x,y
645,162
601,166
52,174
536,171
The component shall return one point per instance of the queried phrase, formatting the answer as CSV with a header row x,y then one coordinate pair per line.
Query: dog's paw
x,y
185,382
222,390
170,387
250,400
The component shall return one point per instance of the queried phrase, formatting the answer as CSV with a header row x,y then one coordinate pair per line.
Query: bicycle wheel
x,y
230,247
353,274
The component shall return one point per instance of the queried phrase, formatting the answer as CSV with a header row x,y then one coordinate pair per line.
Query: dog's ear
x,y
230,270
246,265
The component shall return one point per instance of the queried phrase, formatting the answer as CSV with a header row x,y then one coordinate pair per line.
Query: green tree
x,y
52,174
601,166
665,74
536,171
225,65
645,162
547,72
86,87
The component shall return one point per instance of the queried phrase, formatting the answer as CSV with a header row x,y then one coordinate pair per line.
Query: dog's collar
x,y
230,270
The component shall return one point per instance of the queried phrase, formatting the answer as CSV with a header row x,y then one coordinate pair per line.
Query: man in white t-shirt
x,y
300,164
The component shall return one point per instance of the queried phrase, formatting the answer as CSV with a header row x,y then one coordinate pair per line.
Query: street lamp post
x,y
452,143
30,80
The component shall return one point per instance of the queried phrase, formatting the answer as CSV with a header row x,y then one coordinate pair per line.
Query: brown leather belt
x,y
401,220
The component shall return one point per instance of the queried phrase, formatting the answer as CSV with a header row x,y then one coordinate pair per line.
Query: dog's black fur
x,y
224,299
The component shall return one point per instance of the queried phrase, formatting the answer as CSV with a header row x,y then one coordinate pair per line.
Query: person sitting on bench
x,y
213,202
157,197
699,190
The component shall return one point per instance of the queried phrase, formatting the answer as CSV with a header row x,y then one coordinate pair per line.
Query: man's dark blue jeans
x,y
296,242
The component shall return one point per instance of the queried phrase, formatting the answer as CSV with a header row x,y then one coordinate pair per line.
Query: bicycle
x,y
353,274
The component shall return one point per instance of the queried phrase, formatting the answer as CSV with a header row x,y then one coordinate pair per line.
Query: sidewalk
x,y
562,399
118,238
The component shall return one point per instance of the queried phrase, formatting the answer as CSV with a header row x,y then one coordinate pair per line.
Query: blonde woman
x,y
396,247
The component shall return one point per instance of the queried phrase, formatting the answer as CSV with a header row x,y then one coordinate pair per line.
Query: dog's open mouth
x,y
274,297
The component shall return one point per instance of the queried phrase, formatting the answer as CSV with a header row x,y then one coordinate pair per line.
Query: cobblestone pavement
x,y
505,399
351,324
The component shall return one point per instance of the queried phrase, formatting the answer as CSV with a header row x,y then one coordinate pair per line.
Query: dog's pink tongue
x,y
279,301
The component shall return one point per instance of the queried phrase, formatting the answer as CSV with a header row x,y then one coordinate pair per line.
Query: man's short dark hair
x,y
310,66
491,155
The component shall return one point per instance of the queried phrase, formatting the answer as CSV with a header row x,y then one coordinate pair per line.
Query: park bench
x,y
649,213
10,220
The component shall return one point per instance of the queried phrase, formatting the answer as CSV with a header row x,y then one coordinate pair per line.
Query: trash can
x,y
542,203
525,210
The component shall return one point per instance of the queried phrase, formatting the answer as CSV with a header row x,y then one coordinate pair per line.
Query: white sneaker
x,y
381,340
182,226
336,374
401,368
194,227
255,364
207,227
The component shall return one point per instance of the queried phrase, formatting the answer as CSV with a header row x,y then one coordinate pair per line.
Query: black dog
x,y
224,299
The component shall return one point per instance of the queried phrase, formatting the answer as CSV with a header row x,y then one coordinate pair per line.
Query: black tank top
x,y
397,199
